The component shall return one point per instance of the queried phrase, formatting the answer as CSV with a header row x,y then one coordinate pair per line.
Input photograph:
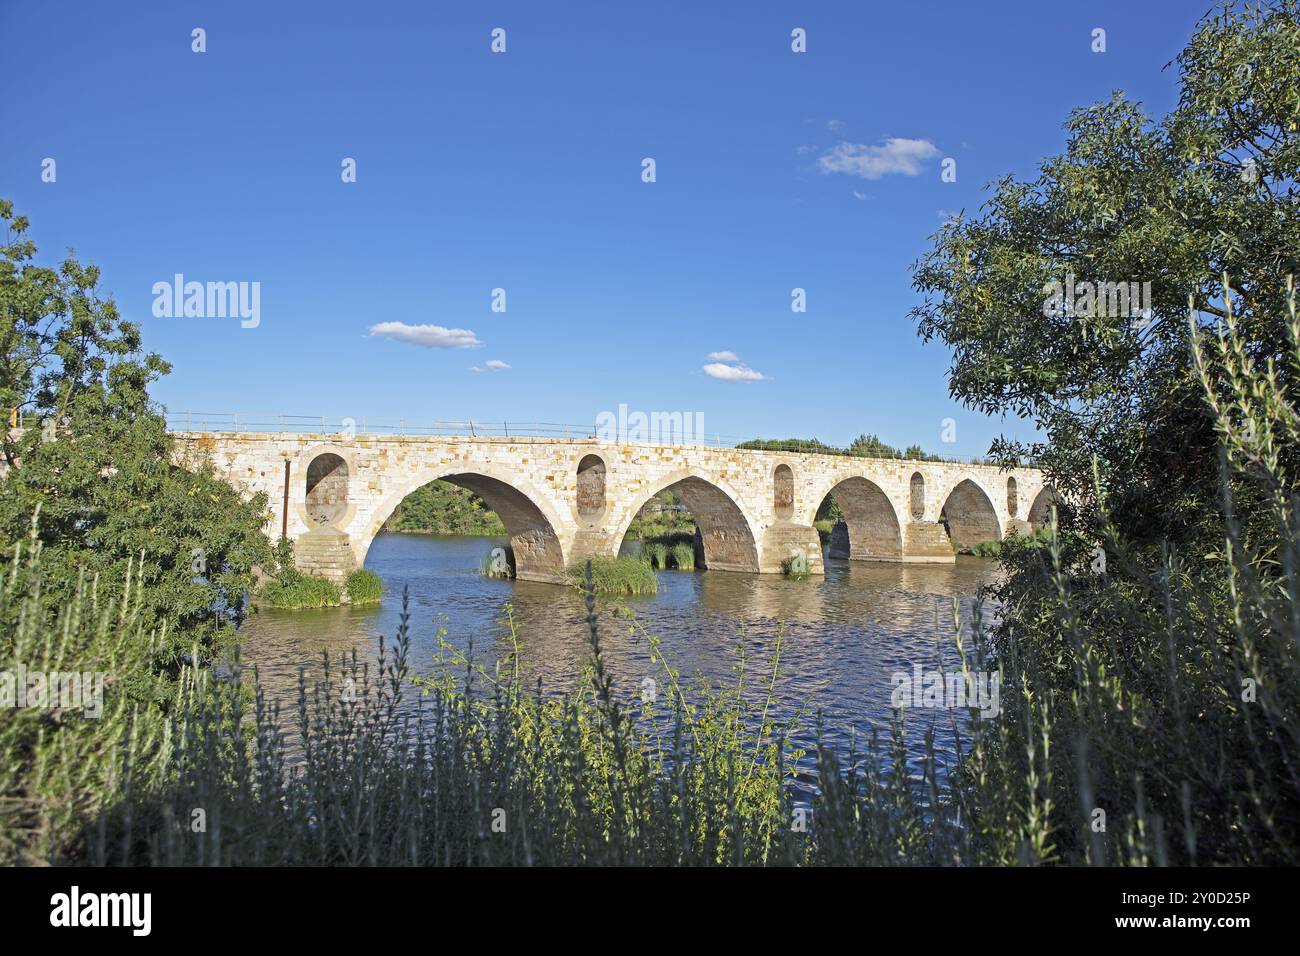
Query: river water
x,y
844,636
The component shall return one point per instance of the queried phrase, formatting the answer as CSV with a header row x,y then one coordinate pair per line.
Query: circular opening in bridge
x,y
1013,502
327,489
591,487
783,492
918,496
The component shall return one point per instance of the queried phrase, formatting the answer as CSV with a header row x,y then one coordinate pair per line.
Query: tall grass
x,y
682,555
629,577
364,587
294,591
655,553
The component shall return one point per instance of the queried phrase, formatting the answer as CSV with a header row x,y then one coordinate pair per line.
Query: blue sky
x,y
522,171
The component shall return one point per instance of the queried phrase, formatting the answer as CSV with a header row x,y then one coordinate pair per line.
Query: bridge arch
x,y
726,534
529,519
970,516
1041,510
873,529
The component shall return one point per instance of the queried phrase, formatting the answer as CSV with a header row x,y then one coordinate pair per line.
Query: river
x,y
844,636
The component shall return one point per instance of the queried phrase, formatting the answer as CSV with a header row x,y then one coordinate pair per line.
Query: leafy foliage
x,y
443,508
1209,190
93,469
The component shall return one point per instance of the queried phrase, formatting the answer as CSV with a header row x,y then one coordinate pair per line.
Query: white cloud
x,y
835,125
429,336
496,365
859,195
732,373
723,357
902,156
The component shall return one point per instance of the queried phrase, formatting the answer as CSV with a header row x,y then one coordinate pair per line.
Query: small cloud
x,y
859,195
739,372
496,365
475,368
428,336
901,156
805,150
835,125
723,357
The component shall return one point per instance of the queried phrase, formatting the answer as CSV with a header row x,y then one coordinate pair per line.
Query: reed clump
x,y
294,591
364,587
627,576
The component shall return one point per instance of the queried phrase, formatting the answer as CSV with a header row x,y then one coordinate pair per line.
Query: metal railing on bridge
x,y
187,422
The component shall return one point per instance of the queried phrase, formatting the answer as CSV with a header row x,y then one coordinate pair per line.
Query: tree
x,y
1208,191
90,476
870,446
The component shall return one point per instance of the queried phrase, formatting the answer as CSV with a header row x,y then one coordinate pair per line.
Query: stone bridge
x,y
563,500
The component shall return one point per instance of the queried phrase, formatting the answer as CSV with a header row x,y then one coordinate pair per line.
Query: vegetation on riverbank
x,y
292,590
674,550
443,508
795,568
1040,538
497,565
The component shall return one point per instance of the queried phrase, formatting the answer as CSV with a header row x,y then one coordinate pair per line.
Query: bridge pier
x,y
782,541
928,542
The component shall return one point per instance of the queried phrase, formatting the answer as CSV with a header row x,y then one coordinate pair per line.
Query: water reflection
x,y
843,635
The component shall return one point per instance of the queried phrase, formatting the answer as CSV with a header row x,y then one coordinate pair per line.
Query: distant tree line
x,y
864,446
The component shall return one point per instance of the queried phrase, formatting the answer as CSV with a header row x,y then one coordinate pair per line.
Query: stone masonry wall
x,y
534,485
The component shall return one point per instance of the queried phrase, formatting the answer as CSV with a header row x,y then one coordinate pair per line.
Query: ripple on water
x,y
843,636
